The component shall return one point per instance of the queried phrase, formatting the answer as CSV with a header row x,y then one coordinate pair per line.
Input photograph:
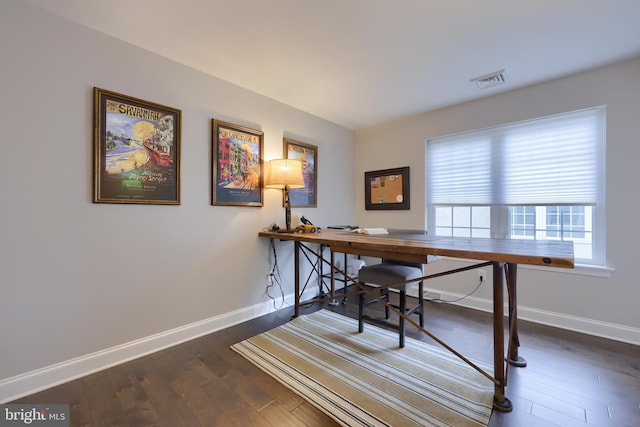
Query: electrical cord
x,y
274,279
442,301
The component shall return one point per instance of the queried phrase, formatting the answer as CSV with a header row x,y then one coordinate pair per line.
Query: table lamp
x,y
286,174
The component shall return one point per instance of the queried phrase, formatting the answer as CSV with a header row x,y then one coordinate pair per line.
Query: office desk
x,y
503,255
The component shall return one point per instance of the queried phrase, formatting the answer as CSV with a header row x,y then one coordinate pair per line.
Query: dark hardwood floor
x,y
571,379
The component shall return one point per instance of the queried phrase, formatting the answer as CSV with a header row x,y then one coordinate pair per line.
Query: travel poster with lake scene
x,y
137,150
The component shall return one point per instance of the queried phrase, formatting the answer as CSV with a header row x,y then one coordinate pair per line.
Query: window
x,y
538,179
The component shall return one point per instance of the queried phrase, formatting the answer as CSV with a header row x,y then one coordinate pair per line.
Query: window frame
x,y
500,216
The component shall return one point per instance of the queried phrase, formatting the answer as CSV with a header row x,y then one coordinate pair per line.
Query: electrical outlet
x,y
482,275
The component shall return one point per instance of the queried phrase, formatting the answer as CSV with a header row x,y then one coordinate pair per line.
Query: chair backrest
x,y
413,231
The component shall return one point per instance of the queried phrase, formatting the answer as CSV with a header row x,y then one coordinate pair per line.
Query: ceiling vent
x,y
490,80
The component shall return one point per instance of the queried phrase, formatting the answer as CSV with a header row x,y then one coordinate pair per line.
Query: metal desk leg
x,y
500,401
296,274
513,357
344,281
333,301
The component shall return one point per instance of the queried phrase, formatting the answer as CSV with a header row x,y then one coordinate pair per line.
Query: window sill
x,y
580,269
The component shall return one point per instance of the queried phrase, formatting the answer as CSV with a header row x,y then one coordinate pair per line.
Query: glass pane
x,y
444,217
481,232
443,231
523,221
571,223
462,216
462,232
481,216
582,250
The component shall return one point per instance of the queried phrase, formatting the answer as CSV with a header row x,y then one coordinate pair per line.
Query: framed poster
x,y
306,197
387,189
236,165
136,150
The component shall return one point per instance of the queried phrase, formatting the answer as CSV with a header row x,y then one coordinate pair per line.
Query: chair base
x,y
402,307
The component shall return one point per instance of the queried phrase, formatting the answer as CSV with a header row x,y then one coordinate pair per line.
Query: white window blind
x,y
556,160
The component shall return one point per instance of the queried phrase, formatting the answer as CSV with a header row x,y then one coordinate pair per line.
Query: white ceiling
x,y
362,62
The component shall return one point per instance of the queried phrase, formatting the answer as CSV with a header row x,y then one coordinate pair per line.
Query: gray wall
x,y
84,285
85,280
601,302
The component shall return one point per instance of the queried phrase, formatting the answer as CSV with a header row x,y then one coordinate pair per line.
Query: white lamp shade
x,y
280,173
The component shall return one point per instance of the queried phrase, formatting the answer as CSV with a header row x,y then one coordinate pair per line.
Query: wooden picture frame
x,y
387,189
236,165
306,197
136,150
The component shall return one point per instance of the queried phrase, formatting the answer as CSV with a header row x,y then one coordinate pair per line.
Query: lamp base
x,y
287,210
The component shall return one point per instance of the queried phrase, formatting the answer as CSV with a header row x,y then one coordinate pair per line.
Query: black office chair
x,y
387,273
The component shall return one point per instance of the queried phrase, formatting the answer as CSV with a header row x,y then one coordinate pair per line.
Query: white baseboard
x,y
40,379
558,320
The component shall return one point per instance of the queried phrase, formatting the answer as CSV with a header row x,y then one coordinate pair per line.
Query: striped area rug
x,y
366,379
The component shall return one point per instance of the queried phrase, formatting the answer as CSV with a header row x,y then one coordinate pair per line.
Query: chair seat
x,y
388,274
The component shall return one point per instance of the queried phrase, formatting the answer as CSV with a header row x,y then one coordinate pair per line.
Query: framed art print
x,y
136,150
306,197
236,165
387,189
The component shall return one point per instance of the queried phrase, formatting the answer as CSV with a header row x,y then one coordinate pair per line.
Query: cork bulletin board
x,y
387,189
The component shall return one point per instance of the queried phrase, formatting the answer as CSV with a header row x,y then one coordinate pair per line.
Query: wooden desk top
x,y
416,248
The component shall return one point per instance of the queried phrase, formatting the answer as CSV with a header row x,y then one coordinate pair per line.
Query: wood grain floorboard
x,y
571,379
